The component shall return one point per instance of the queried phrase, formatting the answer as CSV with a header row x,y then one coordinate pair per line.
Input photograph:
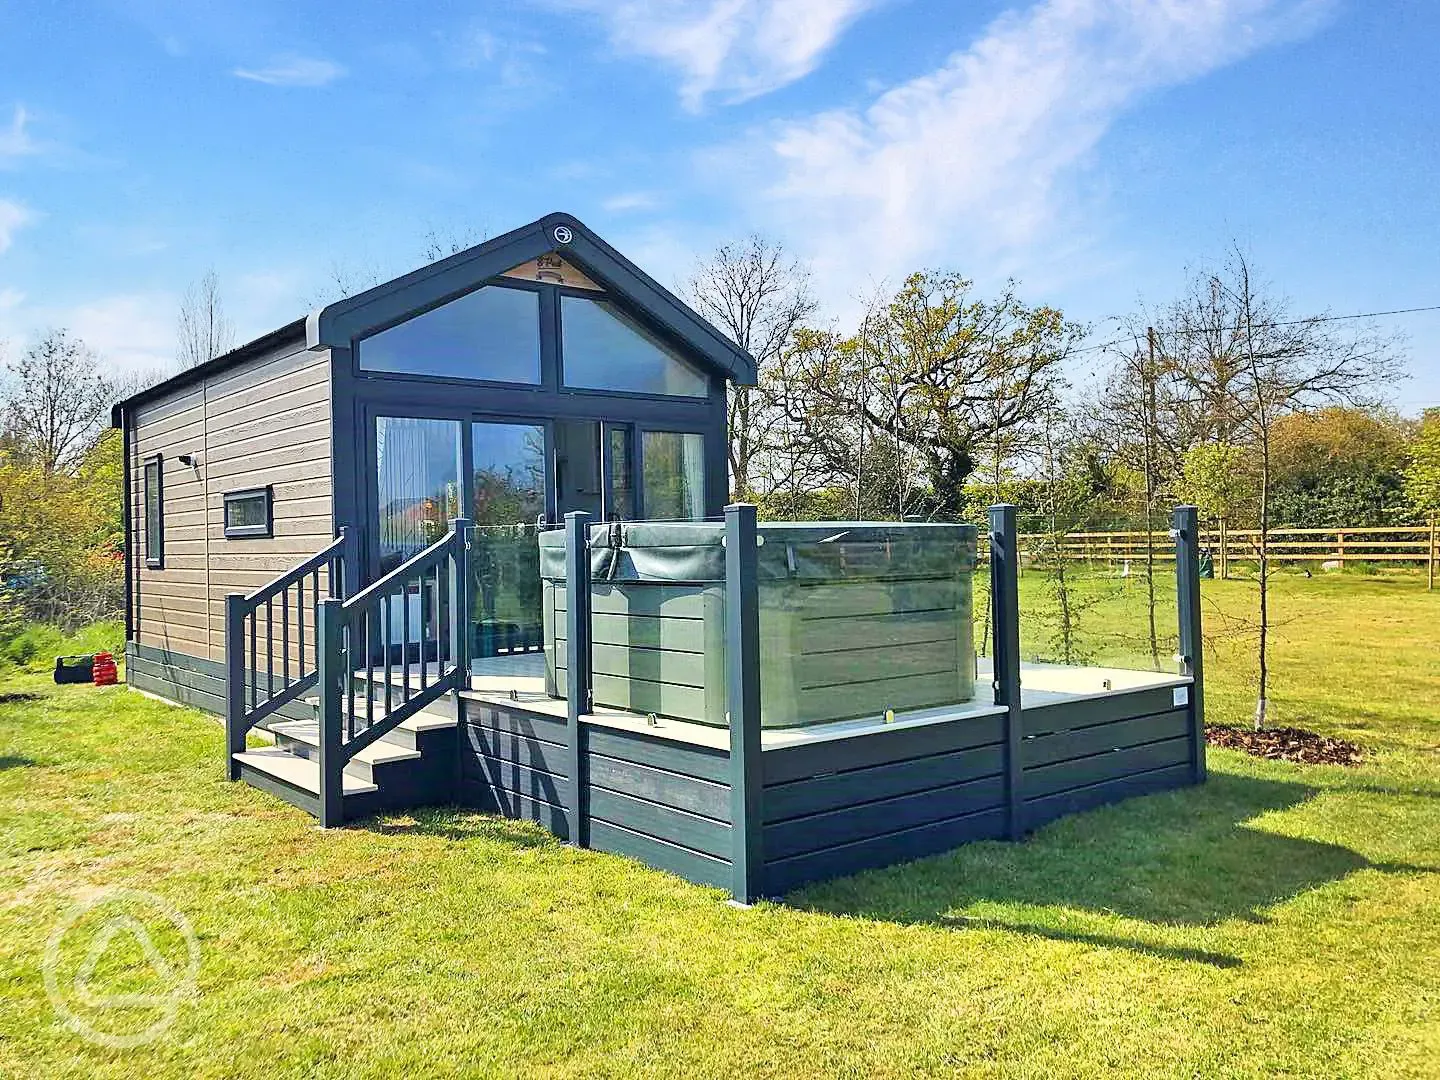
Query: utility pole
x,y
1151,419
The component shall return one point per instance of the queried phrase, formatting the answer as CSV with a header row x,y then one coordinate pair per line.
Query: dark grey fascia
x,y
339,324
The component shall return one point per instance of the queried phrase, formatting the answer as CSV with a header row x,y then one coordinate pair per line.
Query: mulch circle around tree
x,y
1286,744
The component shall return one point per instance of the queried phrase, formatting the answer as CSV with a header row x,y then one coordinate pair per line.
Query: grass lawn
x,y
1277,920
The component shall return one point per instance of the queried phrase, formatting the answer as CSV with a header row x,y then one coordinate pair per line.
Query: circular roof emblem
x,y
562,234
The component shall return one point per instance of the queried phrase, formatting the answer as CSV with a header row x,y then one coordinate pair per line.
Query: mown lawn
x,y
1278,920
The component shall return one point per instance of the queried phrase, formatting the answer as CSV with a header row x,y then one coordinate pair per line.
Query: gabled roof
x,y
338,324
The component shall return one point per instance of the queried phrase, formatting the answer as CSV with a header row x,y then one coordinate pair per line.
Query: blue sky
x,y
1095,149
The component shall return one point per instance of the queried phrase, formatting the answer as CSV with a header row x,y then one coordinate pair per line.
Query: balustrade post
x,y
742,697
234,682
578,701
332,676
1005,654
460,613
1186,532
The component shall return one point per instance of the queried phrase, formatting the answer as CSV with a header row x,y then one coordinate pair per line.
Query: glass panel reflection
x,y
418,473
674,480
492,333
605,349
508,489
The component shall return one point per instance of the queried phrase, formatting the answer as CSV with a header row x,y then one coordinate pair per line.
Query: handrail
x,y
249,698
349,641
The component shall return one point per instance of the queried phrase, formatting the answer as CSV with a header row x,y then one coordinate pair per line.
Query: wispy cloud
x,y
14,216
738,49
628,201
294,70
514,62
975,156
15,140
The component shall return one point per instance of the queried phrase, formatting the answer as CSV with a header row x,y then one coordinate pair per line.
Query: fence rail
x,y
1418,545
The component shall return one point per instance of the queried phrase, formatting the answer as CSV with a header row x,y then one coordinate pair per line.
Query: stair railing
x,y
387,652
259,684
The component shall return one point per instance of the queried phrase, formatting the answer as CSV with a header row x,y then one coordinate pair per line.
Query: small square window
x,y
249,513
154,505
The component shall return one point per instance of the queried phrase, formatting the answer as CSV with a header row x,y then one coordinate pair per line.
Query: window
x,y
605,349
249,513
418,480
673,466
492,333
154,515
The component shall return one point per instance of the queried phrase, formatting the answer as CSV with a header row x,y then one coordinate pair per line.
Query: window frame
x,y
250,532
154,538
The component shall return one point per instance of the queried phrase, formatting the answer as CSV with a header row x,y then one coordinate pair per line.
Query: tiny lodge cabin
x,y
346,537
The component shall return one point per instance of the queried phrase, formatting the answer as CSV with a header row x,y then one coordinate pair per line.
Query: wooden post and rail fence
x,y
1412,545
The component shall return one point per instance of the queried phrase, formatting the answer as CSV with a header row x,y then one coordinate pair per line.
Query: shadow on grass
x,y
1187,857
17,697
8,761
458,823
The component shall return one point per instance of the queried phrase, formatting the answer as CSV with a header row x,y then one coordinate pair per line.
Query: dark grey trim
x,y
1192,646
340,323
245,532
154,542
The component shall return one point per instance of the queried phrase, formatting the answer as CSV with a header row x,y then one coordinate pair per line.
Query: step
x,y
299,772
377,753
424,720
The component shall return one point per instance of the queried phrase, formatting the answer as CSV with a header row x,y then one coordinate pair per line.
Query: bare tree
x,y
1248,360
203,331
442,243
757,294
55,402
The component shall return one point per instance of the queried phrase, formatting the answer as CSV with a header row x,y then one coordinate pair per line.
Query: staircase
x,y
380,731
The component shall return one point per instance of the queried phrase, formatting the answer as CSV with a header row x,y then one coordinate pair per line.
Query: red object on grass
x,y
103,671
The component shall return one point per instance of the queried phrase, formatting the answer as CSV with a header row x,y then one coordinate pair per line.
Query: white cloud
x,y
974,159
14,216
739,49
293,70
628,201
15,141
132,332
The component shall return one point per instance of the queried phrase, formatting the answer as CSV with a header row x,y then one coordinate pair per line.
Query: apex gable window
x,y
491,334
154,504
605,349
249,513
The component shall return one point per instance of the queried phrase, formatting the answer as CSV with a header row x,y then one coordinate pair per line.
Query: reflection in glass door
x,y
507,501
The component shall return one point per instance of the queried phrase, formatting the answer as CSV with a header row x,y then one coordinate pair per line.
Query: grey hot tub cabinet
x,y
855,618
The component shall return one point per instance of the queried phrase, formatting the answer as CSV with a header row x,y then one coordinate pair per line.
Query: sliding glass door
x,y
507,498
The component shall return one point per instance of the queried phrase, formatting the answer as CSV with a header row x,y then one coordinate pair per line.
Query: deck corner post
x,y
346,569
577,663
331,676
459,601
1186,522
1005,653
234,682
742,684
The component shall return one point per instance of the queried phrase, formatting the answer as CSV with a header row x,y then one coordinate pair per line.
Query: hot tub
x,y
856,618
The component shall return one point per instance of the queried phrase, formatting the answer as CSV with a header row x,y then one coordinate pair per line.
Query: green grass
x,y
1277,920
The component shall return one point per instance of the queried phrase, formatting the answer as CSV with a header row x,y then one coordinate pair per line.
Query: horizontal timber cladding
x,y
665,803
1082,754
513,763
838,806
189,680
266,422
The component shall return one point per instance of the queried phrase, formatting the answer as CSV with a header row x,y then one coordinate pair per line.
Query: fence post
x,y
234,682
460,602
1340,545
1005,652
742,686
1192,647
577,663
1430,562
345,571
1224,551
331,675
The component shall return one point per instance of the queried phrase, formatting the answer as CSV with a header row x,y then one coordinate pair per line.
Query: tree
x,y
946,379
1248,362
1422,477
55,402
203,331
759,296
1337,467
